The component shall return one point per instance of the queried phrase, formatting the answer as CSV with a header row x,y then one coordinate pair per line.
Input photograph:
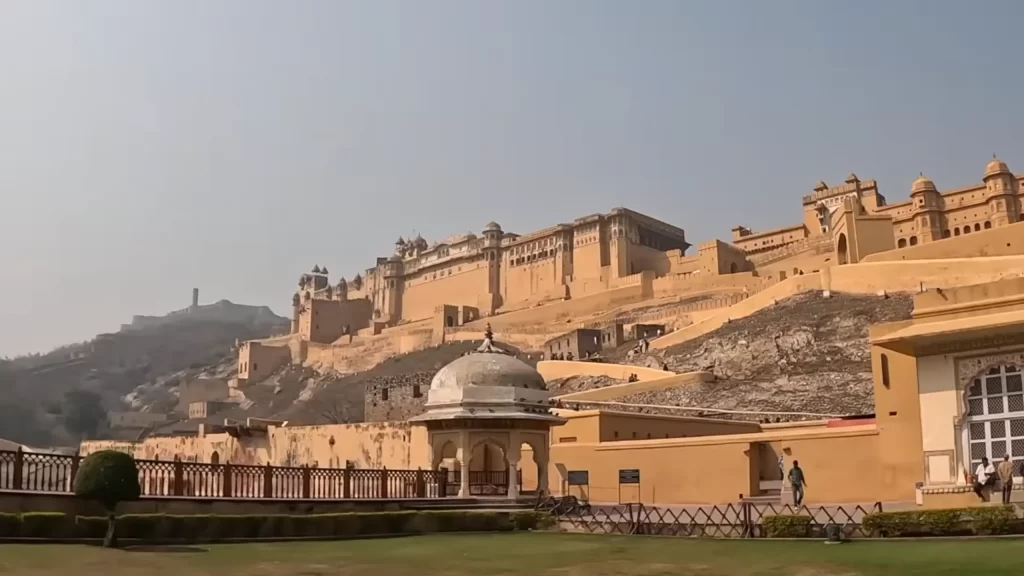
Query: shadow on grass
x,y
165,549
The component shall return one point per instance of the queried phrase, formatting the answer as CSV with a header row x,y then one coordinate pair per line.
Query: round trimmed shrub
x,y
108,477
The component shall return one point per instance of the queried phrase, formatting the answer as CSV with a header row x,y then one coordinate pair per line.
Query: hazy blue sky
x,y
147,147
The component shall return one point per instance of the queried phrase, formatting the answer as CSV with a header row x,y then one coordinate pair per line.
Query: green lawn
x,y
528,554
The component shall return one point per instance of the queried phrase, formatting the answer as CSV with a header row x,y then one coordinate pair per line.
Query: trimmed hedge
x,y
212,528
983,521
787,526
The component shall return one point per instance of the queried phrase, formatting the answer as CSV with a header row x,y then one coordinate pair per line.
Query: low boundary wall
x,y
552,369
617,391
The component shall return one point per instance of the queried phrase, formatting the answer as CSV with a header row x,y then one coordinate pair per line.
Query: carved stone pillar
x,y
463,455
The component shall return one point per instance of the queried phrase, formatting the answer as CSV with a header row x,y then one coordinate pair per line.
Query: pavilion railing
x,y
55,473
482,482
740,520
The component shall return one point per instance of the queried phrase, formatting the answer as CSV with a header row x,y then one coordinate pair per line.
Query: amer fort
x,y
601,297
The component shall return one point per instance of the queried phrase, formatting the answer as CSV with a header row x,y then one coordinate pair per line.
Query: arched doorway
x,y
842,250
446,458
533,459
449,321
488,469
732,268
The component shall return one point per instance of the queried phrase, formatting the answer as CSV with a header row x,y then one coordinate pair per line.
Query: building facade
x,y
496,270
928,215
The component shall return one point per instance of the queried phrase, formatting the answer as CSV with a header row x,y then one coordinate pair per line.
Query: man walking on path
x,y
798,483
1006,477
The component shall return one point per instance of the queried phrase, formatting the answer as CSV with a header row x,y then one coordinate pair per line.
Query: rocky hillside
x,y
806,354
58,398
303,396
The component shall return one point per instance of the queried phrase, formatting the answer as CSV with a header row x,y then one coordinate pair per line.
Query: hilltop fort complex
x,y
909,407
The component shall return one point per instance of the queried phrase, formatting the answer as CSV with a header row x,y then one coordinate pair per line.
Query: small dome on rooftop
x,y
488,369
922,184
996,167
492,226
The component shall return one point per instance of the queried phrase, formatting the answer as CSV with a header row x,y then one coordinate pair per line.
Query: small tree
x,y
108,477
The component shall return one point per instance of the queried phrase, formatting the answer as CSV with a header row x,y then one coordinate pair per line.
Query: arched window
x,y
913,240
956,232
988,225
967,229
945,233
995,416
977,227
902,243
885,370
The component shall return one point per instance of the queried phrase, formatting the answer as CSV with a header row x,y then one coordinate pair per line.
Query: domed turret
x,y
995,168
922,184
492,227
1001,186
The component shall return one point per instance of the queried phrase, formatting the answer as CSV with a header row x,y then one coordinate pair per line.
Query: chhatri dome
x,y
488,384
497,370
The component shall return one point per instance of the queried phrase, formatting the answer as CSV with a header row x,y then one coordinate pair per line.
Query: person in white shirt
x,y
984,477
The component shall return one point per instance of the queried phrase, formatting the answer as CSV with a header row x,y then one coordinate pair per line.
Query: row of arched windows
x,y
903,242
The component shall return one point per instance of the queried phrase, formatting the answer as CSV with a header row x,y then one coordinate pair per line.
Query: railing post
x,y
268,481
19,469
748,530
75,461
346,483
305,481
384,483
179,477
226,489
421,484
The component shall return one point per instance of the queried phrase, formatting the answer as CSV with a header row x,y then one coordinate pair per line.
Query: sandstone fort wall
x,y
1004,241
462,286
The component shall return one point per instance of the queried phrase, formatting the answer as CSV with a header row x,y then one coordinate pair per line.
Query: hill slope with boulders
x,y
58,398
808,353
301,396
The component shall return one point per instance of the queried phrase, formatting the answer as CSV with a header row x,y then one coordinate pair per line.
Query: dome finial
x,y
488,346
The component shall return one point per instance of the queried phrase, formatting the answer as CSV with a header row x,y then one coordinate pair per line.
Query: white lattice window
x,y
994,425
